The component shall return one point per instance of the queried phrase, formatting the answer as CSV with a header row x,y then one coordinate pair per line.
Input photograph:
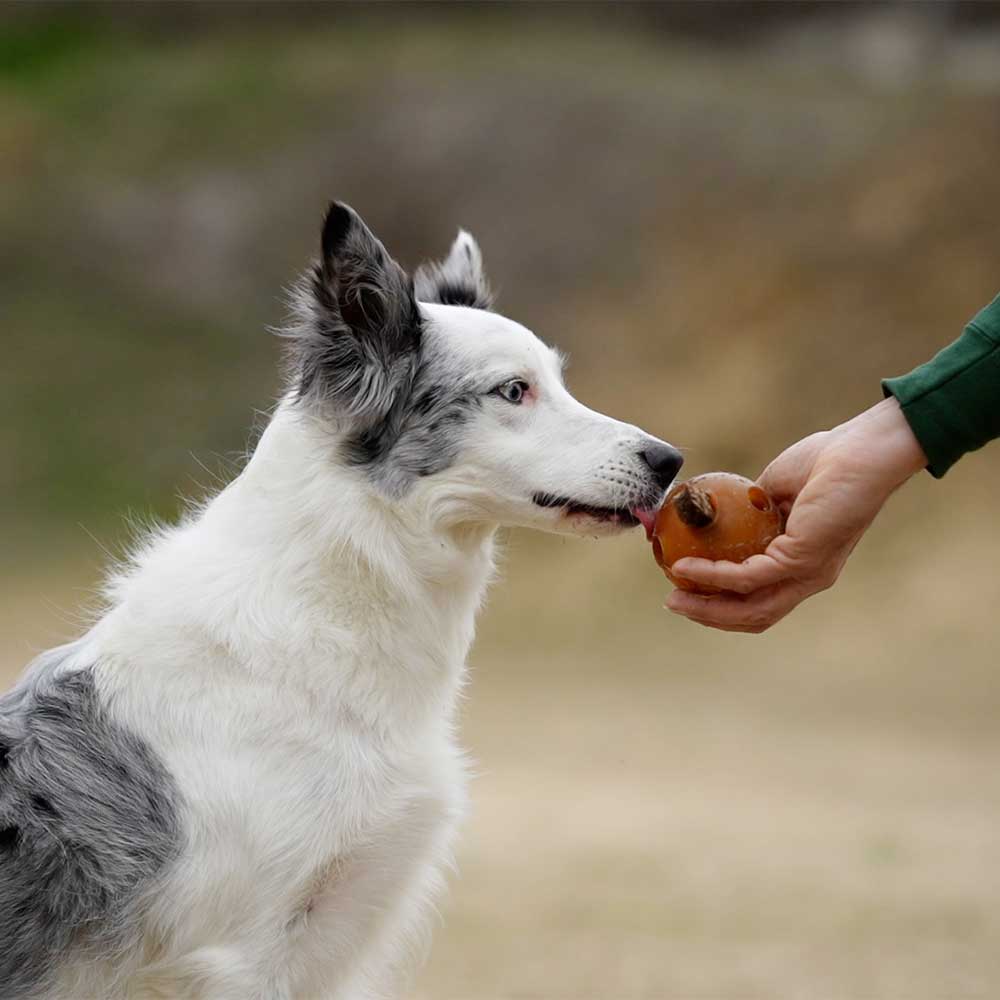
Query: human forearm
x,y
952,402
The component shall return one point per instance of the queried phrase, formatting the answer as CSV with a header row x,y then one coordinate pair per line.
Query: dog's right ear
x,y
458,280
356,334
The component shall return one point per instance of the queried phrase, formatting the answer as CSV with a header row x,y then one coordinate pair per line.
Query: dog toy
x,y
715,516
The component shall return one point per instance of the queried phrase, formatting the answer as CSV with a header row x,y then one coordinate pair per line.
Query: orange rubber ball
x,y
715,516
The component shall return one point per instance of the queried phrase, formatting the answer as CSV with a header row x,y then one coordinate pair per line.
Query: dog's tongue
x,y
646,518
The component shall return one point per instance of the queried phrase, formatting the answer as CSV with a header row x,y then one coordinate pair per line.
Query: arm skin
x,y
832,485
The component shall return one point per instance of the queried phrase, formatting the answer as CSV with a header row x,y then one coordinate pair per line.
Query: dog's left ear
x,y
458,280
357,339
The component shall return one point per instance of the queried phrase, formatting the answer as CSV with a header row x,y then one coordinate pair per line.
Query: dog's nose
x,y
664,461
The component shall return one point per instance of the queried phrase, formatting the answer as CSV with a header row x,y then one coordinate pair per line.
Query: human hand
x,y
831,485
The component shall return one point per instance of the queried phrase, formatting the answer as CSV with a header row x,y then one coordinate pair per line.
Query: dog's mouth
x,y
646,516
626,517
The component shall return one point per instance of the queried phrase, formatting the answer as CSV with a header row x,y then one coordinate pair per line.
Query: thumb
x,y
786,475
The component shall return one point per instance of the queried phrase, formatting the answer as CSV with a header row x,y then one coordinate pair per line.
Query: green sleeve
x,y
952,403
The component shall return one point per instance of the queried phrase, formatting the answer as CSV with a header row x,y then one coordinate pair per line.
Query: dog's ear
x,y
458,280
357,335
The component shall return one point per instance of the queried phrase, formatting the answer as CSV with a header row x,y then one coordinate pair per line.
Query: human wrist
x,y
883,436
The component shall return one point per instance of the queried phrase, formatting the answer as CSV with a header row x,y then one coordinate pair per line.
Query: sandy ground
x,y
662,812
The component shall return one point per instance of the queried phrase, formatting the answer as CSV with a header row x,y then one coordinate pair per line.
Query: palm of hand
x,y
830,511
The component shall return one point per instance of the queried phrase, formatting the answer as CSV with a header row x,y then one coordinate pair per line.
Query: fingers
x,y
733,613
740,578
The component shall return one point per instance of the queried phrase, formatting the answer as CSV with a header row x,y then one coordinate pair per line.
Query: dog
x,y
242,783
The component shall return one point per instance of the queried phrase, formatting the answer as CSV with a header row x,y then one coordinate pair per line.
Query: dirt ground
x,y
666,813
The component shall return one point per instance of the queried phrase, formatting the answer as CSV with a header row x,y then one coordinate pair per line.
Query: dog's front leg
x,y
368,926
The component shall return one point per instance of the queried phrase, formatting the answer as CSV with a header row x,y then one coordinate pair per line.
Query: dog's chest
x,y
303,824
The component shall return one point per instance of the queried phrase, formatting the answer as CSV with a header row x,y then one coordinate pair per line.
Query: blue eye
x,y
513,390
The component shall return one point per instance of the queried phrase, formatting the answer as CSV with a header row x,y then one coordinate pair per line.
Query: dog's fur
x,y
242,782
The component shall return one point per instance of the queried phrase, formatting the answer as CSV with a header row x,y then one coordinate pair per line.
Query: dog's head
x,y
433,396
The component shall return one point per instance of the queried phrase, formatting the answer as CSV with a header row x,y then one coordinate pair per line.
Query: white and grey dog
x,y
243,782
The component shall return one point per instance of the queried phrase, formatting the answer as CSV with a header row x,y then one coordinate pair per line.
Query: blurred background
x,y
735,219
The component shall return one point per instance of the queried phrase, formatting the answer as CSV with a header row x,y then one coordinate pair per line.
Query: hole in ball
x,y
759,498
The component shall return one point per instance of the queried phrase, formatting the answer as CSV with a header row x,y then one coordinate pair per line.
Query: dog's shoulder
x,y
88,820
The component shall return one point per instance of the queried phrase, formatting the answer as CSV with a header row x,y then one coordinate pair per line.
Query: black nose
x,y
664,461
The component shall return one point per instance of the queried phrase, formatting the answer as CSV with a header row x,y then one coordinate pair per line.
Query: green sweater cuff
x,y
952,402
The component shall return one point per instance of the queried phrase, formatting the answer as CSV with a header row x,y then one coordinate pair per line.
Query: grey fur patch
x,y
358,351
356,332
422,435
88,820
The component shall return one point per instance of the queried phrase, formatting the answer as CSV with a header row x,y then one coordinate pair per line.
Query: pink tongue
x,y
646,519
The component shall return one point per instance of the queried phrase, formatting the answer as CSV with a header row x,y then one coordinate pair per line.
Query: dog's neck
x,y
299,570
299,491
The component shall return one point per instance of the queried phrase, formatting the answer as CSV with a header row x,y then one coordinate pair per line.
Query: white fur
x,y
294,652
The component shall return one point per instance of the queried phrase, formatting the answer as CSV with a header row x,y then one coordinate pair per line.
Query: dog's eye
x,y
513,390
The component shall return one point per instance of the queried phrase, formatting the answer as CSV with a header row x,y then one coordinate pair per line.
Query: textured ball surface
x,y
718,515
